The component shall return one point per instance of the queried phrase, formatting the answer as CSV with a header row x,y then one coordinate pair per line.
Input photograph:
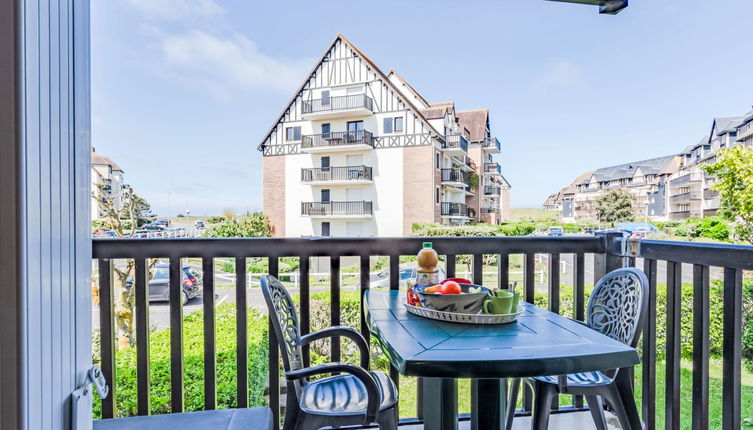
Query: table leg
x,y
440,400
625,388
488,404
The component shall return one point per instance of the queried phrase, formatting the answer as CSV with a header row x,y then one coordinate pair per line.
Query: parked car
x,y
199,225
555,232
159,285
163,222
407,272
153,226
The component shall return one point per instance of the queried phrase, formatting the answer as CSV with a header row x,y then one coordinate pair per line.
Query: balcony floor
x,y
568,421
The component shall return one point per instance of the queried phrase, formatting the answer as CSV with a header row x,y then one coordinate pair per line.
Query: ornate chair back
x,y
284,319
618,305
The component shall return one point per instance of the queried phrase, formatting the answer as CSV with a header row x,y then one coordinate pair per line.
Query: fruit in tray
x,y
451,286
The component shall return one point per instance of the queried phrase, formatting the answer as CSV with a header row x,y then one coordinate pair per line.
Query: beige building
x,y
690,190
360,152
645,181
105,173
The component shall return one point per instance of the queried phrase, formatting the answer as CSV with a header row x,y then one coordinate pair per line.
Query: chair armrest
x,y
348,332
372,389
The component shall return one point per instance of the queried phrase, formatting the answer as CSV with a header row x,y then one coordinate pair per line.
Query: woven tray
x,y
462,318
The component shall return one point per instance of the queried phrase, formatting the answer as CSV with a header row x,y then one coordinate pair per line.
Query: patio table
x,y
539,343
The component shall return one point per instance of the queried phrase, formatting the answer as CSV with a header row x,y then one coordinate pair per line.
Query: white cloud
x,y
561,73
177,10
225,65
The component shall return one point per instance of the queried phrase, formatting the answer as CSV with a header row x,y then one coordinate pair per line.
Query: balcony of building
x,y
344,175
337,107
491,145
492,169
455,210
337,141
464,162
455,144
489,210
491,190
347,209
455,178
687,179
668,265
710,194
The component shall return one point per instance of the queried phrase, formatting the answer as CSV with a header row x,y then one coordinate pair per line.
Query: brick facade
x,y
273,175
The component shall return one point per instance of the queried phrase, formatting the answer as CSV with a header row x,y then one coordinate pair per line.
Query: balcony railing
x,y
680,198
710,194
489,210
679,215
332,174
336,208
686,179
492,168
661,261
491,143
337,138
491,190
455,209
455,141
454,175
336,103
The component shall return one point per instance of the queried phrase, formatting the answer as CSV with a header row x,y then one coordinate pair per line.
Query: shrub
x,y
215,219
193,335
251,225
516,229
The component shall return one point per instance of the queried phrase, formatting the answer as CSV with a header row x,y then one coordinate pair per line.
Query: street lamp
x,y
188,215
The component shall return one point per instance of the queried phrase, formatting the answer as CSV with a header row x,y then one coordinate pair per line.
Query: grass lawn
x,y
531,214
408,395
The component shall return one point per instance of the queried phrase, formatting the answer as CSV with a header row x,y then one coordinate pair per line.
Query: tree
x,y
142,210
615,206
120,214
250,225
733,178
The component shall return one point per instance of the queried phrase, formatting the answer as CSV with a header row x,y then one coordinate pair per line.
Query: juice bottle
x,y
427,272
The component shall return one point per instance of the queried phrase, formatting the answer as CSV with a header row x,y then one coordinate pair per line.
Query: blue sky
x,y
183,90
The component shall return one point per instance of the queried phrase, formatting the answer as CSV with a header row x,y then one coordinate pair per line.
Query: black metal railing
x,y
336,208
492,168
328,174
489,210
355,101
661,261
455,141
337,138
455,209
454,175
491,143
491,190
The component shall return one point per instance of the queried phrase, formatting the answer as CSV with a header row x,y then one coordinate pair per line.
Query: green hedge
x,y
193,337
350,308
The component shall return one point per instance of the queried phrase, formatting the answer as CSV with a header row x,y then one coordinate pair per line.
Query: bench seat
x,y
222,419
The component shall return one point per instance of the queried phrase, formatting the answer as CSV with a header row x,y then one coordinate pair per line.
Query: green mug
x,y
515,300
499,303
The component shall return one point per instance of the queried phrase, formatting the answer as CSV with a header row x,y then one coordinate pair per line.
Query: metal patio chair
x,y
617,308
354,397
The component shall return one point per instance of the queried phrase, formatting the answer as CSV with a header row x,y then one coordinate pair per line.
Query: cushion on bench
x,y
223,419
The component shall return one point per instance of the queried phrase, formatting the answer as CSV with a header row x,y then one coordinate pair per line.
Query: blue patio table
x,y
539,343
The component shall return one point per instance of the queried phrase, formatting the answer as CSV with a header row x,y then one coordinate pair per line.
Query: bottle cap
x,y
427,245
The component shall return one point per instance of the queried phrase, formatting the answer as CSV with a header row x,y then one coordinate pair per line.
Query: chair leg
x,y
388,419
596,407
512,401
621,406
542,404
627,401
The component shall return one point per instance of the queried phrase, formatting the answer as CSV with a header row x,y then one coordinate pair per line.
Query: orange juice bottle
x,y
427,272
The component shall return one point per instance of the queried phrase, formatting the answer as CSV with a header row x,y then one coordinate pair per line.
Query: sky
x,y
184,90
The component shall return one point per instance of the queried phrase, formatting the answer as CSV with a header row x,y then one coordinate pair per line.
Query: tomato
x,y
458,280
451,287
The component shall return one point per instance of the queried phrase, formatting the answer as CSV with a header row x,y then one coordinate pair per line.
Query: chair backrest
x,y
618,305
285,321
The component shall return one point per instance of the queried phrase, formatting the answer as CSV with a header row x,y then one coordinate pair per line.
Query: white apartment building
x,y
359,152
109,175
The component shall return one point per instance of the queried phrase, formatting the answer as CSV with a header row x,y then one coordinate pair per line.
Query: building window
x,y
325,162
436,156
325,196
293,133
436,198
325,129
398,124
325,229
393,125
325,98
387,125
